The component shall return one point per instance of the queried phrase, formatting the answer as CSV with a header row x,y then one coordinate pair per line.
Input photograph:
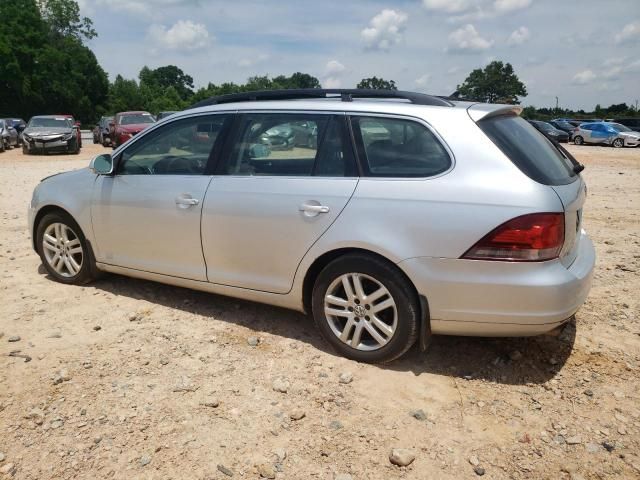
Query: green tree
x,y
125,95
161,78
63,19
496,83
377,84
44,67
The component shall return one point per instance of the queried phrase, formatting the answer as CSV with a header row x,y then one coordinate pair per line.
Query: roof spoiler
x,y
478,111
345,94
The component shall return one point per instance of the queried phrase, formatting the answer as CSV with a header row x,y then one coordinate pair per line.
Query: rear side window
x,y
392,147
300,145
528,149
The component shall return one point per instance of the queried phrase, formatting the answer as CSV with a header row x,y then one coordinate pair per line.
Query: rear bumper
x,y
484,298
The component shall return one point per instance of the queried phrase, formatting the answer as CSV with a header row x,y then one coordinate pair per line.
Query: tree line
x,y
46,68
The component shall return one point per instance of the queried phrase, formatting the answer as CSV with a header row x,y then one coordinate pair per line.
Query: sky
x,y
584,52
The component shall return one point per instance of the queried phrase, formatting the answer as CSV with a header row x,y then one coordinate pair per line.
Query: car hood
x,y
44,131
73,175
630,134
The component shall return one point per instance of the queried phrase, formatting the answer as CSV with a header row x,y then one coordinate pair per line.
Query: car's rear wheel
x,y
578,140
618,143
366,308
64,250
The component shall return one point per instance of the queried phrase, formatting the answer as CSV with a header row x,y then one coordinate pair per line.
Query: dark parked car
x,y
8,136
50,133
162,115
101,131
632,123
563,125
17,123
550,131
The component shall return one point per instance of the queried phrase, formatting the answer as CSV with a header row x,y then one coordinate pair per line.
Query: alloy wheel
x,y
62,250
360,311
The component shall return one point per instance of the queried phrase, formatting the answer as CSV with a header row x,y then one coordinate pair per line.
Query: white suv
x,y
389,216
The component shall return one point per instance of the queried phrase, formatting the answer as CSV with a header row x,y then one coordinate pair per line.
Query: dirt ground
x,y
132,379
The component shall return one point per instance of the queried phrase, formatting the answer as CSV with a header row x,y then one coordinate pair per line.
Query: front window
x,y
136,119
181,147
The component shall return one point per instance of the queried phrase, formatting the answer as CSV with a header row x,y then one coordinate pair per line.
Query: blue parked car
x,y
606,133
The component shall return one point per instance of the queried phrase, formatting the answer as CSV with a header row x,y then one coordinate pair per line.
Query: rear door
x,y
273,197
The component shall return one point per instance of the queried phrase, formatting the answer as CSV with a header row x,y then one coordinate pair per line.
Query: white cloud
x,y
467,38
331,82
251,62
184,35
449,6
385,30
519,36
422,82
584,77
333,70
504,6
629,33
334,67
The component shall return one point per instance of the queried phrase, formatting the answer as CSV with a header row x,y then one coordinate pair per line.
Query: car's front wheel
x,y
366,308
64,250
618,143
578,140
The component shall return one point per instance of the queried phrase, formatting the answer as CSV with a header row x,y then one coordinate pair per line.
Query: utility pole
x,y
556,105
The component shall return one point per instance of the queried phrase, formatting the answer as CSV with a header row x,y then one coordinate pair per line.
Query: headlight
x,y
26,137
68,137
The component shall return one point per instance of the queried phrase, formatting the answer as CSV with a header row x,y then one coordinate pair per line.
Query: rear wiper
x,y
577,166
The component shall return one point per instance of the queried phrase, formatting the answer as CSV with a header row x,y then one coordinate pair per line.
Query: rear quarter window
x,y
529,149
393,147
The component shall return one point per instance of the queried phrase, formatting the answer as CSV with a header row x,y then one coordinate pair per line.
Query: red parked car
x,y
76,125
127,124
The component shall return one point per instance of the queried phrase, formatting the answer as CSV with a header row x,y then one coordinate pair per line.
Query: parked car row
x,y
43,133
116,130
591,131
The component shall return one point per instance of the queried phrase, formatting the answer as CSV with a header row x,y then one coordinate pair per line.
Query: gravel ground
x,y
131,379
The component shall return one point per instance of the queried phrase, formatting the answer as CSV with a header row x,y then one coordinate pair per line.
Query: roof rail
x,y
346,94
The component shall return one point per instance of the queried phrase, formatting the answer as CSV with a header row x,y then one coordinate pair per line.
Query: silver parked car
x,y
403,218
49,134
606,133
8,135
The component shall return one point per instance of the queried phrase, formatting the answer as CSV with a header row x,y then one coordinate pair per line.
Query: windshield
x,y
136,118
50,122
530,151
545,126
620,127
564,125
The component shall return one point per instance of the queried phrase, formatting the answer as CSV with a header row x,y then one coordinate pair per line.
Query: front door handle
x,y
186,201
313,208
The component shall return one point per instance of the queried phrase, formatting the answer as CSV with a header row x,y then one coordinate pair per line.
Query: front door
x,y
281,183
147,216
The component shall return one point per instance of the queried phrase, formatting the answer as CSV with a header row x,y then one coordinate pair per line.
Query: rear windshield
x,y
529,150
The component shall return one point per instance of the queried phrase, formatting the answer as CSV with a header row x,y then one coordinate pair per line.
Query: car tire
x,y
25,150
68,261
618,143
578,140
383,335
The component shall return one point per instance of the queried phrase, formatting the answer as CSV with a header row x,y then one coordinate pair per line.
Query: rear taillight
x,y
529,238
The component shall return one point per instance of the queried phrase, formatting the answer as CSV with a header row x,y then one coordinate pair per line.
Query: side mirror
x,y
102,164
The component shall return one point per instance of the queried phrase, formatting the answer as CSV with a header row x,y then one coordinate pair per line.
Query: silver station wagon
x,y
389,216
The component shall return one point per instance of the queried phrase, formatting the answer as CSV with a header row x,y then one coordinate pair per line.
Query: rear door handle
x,y
313,208
186,201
